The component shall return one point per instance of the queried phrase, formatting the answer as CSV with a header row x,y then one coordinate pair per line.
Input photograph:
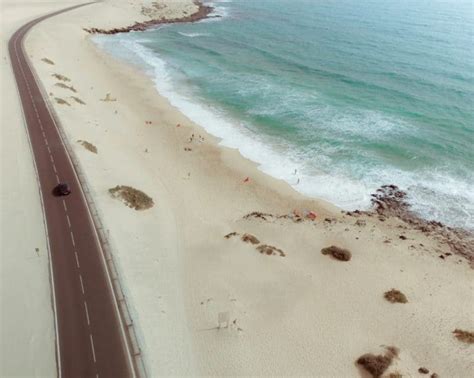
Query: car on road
x,y
62,189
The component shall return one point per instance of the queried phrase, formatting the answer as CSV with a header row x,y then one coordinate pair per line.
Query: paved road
x,y
91,341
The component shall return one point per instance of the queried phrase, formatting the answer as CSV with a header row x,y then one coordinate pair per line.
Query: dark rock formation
x,y
203,12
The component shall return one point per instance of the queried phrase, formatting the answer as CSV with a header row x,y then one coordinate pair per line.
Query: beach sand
x,y
293,311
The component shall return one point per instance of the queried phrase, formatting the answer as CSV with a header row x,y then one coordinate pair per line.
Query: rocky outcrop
x,y
390,201
202,12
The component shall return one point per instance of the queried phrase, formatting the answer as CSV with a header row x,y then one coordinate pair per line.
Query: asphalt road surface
x,y
91,341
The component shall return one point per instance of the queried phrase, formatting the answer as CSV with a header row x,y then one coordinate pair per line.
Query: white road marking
x,y
68,220
92,346
82,284
51,158
65,208
77,259
54,169
72,239
57,179
21,33
87,314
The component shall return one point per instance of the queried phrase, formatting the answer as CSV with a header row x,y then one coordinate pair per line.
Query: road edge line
x,y
136,359
43,213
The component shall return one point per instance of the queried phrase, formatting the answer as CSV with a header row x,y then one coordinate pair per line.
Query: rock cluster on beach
x,y
390,201
202,12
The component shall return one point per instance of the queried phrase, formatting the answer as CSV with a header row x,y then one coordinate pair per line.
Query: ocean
x,y
352,94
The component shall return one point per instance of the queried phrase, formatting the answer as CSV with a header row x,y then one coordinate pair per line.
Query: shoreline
x,y
191,256
364,204
202,12
386,202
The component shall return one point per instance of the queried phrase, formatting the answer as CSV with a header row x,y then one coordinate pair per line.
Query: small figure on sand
x,y
247,179
295,171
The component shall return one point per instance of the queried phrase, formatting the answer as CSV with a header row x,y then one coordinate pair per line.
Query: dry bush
x,y
376,365
228,236
132,197
88,146
61,101
464,336
65,86
248,238
340,254
108,98
78,100
395,375
270,250
60,77
395,296
258,214
49,61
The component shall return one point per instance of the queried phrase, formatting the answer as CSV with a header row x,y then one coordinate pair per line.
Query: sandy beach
x,y
223,242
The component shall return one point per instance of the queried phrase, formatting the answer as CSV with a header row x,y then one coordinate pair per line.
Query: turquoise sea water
x,y
353,94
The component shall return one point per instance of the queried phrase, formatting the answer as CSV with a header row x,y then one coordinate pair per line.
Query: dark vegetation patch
x,y
88,146
464,336
264,249
61,101
132,197
60,77
395,296
395,375
78,100
338,253
249,238
258,215
65,86
295,216
229,235
376,365
49,61
270,250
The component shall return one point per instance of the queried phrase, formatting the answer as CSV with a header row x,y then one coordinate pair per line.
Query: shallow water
x,y
350,94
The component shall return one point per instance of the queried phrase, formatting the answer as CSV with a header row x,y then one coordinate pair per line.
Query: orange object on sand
x,y
246,179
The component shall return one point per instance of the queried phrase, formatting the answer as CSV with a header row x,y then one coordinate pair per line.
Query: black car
x,y
62,189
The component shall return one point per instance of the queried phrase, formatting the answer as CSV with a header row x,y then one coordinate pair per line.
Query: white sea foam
x,y
194,35
433,195
218,11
